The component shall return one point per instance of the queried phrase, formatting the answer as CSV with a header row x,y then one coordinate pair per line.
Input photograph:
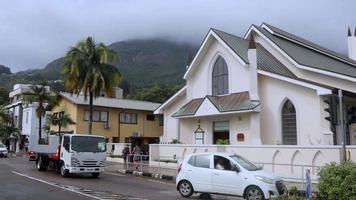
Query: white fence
x,y
115,149
289,162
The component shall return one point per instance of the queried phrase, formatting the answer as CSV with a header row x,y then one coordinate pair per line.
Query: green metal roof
x,y
237,44
229,103
291,36
309,57
265,60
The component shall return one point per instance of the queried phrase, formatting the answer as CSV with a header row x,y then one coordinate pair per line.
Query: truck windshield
x,y
245,163
88,144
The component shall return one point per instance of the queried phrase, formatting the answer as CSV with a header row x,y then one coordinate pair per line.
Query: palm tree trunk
x,y
39,128
91,96
59,128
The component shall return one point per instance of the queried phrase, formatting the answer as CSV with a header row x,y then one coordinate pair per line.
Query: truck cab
x,y
82,154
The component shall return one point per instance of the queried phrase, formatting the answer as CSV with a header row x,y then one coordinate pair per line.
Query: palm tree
x,y
40,95
86,69
60,121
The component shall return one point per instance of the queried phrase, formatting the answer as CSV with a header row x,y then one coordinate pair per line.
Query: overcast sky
x,y
33,33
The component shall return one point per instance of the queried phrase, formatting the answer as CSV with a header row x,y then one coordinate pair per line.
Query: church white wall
x,y
273,94
199,83
238,123
171,125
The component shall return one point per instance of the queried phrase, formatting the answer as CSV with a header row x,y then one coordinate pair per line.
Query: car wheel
x,y
63,170
185,188
254,193
95,175
40,165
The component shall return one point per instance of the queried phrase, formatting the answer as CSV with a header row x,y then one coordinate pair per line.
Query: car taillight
x,y
179,168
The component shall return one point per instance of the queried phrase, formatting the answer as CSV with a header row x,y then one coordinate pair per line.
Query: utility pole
x,y
342,128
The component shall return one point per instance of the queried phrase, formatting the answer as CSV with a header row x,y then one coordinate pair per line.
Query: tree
x,y
41,95
4,96
86,69
156,93
7,127
60,121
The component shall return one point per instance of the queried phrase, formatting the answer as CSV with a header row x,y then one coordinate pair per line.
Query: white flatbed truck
x,y
76,154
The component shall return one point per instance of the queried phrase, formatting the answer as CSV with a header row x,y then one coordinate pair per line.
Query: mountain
x,y
4,70
142,63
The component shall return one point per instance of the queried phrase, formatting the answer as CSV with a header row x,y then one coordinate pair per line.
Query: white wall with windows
x,y
307,106
200,83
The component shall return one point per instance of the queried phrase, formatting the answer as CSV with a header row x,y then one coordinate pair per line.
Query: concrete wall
x,y
287,161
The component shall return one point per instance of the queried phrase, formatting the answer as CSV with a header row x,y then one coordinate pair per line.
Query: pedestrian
x,y
137,155
125,153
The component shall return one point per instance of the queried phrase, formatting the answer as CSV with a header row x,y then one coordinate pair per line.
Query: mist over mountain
x,y
143,63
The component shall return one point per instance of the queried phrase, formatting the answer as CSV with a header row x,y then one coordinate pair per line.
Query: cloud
x,y
34,32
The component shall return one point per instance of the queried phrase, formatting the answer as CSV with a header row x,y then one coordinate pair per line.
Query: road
x,y
20,180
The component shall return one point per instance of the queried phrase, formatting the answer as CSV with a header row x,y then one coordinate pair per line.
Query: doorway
x,y
221,131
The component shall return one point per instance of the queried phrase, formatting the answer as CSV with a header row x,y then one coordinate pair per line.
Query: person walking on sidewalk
x,y
125,153
137,155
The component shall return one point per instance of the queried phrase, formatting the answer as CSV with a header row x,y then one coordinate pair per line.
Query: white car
x,y
227,174
3,151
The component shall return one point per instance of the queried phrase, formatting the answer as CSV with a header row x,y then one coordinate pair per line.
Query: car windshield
x,y
2,146
245,163
88,144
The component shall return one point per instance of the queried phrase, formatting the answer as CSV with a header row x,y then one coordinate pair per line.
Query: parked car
x,y
226,174
3,151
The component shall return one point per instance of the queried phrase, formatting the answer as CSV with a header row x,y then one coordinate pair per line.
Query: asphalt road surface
x,y
20,180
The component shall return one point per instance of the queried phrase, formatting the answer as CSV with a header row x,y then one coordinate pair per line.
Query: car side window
x,y
222,163
202,161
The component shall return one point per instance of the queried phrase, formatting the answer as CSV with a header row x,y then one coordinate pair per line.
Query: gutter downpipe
x,y
342,127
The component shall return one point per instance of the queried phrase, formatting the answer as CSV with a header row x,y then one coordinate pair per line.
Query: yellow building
x,y
113,118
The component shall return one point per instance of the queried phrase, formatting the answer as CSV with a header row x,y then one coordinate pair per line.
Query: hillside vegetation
x,y
143,63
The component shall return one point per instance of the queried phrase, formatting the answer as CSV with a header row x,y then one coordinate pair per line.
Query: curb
x,y
147,174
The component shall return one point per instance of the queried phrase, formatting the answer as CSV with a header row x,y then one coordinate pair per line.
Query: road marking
x,y
151,180
114,174
82,191
55,185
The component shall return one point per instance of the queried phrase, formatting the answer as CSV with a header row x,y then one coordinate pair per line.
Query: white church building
x,y
265,88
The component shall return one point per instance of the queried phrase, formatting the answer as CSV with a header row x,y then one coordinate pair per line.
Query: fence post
x,y
302,182
159,164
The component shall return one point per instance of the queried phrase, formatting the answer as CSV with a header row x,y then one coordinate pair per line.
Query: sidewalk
x,y
142,170
164,173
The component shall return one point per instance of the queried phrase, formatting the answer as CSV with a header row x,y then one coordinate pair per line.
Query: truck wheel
x,y
41,165
95,175
63,170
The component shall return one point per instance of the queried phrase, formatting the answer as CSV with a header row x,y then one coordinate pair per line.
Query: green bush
x,y
176,141
338,181
223,142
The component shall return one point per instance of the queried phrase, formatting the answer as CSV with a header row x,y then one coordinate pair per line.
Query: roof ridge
x,y
313,46
214,29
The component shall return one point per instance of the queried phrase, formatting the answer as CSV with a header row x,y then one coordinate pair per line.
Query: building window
x,y
220,78
161,120
98,116
150,117
128,118
115,140
289,124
